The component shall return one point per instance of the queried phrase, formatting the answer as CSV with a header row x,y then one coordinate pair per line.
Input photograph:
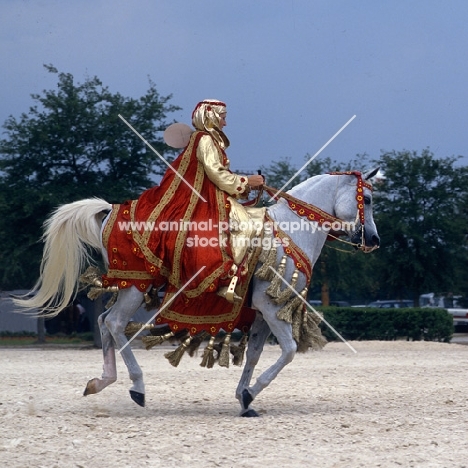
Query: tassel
x,y
286,312
274,289
135,327
175,356
311,334
160,330
238,351
94,293
150,341
113,298
263,257
152,300
223,359
97,291
196,342
264,272
288,291
208,356
297,322
91,276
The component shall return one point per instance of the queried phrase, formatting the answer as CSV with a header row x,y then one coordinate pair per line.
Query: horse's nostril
x,y
375,240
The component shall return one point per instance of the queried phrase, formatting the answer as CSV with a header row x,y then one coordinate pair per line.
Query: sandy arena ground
x,y
393,404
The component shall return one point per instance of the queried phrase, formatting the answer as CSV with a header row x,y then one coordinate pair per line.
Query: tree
x,y
72,145
419,213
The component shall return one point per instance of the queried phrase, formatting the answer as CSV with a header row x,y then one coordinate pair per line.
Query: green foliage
x,y
280,172
388,324
69,146
419,211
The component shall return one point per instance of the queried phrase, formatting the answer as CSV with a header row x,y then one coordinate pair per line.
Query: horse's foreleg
x,y
283,333
109,369
259,332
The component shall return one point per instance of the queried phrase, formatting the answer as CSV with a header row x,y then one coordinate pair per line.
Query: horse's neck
x,y
310,238
319,191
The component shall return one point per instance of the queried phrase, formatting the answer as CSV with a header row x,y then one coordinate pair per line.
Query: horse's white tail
x,y
67,233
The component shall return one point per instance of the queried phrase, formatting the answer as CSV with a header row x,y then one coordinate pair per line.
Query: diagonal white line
x,y
162,308
313,157
164,161
310,307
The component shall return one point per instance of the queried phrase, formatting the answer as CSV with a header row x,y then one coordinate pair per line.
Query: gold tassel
x,y
263,257
288,291
196,342
208,356
274,289
94,293
150,341
311,334
287,311
135,327
113,298
265,273
175,356
297,322
97,291
238,351
223,359
91,276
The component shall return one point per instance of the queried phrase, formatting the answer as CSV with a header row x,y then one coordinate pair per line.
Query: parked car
x,y
393,304
314,302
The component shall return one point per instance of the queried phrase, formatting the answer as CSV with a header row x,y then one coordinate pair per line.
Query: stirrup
x,y
229,293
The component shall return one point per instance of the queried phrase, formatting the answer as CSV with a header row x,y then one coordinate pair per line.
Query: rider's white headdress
x,y
205,117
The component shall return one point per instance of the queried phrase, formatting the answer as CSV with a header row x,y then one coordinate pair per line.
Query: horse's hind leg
x,y
109,369
259,332
115,321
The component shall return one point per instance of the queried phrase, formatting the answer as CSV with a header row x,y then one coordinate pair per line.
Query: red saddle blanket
x,y
171,236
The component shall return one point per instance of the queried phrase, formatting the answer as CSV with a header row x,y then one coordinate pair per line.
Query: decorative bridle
x,y
315,214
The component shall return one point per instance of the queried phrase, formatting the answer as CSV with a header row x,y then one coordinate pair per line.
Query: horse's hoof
x,y
137,397
90,387
250,414
246,398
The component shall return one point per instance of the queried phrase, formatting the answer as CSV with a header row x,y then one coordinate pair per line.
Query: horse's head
x,y
353,205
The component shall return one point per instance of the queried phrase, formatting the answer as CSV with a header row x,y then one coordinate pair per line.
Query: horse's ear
x,y
369,174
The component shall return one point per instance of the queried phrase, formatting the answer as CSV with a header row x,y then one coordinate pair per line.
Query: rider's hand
x,y
255,181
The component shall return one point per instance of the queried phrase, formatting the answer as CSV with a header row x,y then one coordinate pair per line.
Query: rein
x,y
315,214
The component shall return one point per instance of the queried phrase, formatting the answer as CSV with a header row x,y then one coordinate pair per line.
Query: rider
x,y
192,207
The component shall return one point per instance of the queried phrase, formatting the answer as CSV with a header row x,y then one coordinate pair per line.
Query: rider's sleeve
x,y
211,158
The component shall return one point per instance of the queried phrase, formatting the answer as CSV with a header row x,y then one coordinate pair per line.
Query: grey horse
x,y
74,227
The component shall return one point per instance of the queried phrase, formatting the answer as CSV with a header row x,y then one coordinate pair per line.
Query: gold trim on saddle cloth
x,y
109,225
209,321
129,274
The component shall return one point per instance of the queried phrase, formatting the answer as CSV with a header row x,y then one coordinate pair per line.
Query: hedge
x,y
356,323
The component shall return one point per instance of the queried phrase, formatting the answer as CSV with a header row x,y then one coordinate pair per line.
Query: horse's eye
x,y
367,200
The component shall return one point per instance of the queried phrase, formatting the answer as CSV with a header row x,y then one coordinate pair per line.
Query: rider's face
x,y
222,120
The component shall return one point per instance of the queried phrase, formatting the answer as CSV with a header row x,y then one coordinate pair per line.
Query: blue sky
x,y
292,72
